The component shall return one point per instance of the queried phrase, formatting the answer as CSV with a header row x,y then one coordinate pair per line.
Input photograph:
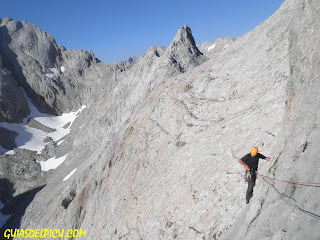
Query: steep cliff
x,y
112,91
56,79
156,158
154,154
291,211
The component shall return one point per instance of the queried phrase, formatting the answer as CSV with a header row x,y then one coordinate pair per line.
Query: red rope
x,y
275,179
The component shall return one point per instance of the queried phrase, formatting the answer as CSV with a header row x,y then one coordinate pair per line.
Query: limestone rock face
x,y
295,214
21,178
29,52
60,80
118,89
55,79
13,106
157,156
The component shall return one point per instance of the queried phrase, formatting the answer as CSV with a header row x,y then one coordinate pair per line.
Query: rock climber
x,y
250,163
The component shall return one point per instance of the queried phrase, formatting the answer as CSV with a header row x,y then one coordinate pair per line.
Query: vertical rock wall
x,y
293,212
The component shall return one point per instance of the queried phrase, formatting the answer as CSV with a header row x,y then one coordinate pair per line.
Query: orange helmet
x,y
254,151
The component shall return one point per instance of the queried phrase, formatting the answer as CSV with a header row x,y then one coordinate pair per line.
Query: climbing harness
x,y
247,176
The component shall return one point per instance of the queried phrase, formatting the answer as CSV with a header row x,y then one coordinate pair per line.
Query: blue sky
x,y
116,30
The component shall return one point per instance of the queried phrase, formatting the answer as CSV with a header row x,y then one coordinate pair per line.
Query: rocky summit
x,y
148,148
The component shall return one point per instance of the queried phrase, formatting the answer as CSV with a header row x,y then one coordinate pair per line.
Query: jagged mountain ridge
x,y
154,147
164,166
79,66
210,49
64,72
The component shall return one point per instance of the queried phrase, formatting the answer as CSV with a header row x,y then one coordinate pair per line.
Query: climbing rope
x,y
284,197
275,179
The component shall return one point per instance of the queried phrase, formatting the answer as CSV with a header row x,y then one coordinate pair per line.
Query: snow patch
x,y
58,143
3,218
33,139
62,68
52,163
70,174
226,46
53,74
212,47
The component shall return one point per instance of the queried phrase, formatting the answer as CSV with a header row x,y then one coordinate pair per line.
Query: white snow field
x,y
52,163
53,74
70,174
212,47
33,139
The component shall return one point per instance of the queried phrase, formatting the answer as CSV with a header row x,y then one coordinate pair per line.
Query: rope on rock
x,y
275,179
283,196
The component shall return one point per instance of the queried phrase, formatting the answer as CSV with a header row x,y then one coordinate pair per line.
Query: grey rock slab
x,y
22,170
37,63
183,51
21,178
28,52
35,124
276,216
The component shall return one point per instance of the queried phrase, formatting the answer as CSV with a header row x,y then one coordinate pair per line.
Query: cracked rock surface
x,y
157,156
156,151
295,214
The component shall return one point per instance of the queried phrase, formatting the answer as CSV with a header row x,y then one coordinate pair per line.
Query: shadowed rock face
x,y
1,62
7,138
13,106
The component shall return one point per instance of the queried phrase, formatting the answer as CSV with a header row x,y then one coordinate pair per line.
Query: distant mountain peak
x,y
183,50
184,35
